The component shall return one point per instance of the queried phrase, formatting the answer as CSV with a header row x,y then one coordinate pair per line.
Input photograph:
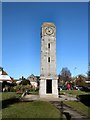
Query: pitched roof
x,y
31,76
4,73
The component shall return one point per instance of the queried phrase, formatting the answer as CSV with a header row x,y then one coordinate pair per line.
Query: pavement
x,y
69,112
61,98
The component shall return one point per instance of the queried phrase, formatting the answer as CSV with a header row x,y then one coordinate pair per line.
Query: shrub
x,y
25,82
22,88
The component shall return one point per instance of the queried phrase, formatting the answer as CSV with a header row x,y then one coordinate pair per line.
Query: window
x,y
48,59
48,45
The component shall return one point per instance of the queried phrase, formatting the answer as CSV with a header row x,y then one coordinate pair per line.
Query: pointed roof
x,y
4,73
31,76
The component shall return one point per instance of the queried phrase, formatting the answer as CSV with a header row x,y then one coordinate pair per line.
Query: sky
x,y
21,29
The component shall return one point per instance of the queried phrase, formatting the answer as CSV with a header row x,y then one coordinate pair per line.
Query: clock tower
x,y
48,77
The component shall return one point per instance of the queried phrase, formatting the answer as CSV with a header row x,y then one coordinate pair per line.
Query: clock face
x,y
49,30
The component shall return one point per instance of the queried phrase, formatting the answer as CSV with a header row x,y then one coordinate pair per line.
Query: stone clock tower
x,y
48,77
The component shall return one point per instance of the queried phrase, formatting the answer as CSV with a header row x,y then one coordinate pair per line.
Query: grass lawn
x,y
74,92
34,92
80,107
9,95
34,109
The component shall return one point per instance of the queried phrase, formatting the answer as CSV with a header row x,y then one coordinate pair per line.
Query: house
x,y
5,80
5,77
33,80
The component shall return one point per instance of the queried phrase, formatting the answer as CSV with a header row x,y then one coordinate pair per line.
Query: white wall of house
x,y
34,84
5,77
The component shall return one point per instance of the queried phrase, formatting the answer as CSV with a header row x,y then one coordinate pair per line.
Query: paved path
x,y
36,97
69,112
